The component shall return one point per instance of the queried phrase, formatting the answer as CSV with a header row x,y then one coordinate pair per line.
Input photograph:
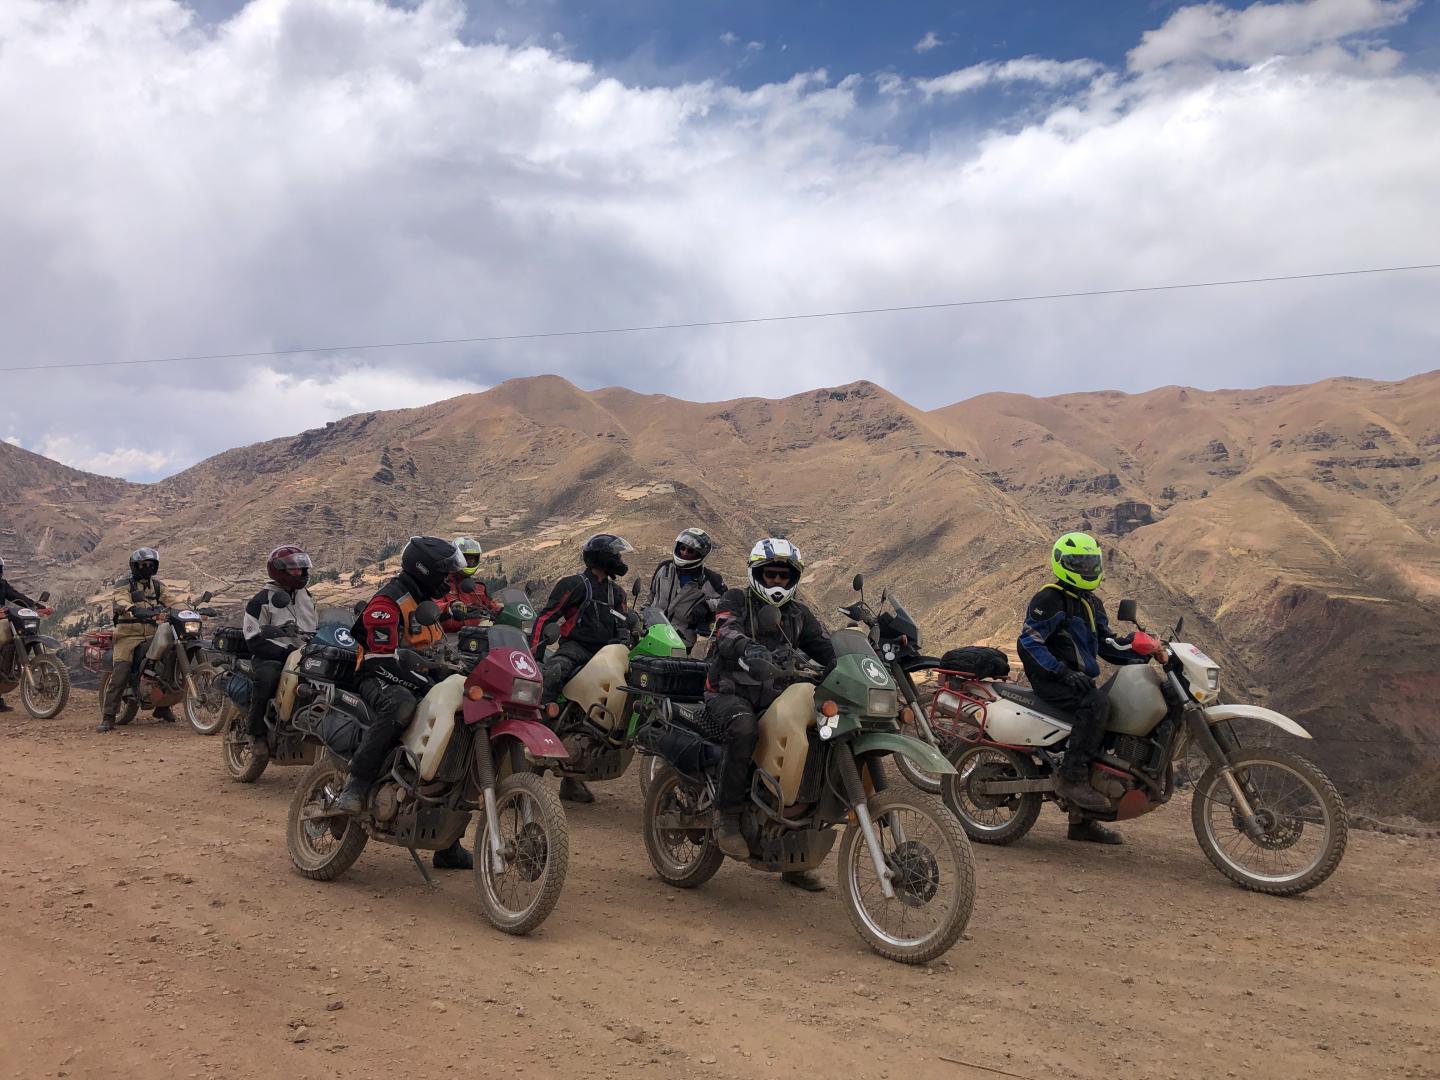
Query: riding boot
x,y
576,791
353,796
107,723
729,838
1086,829
454,857
163,715
259,748
1079,793
803,879
4,707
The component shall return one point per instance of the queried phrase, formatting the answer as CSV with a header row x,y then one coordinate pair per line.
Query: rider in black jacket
x,y
11,595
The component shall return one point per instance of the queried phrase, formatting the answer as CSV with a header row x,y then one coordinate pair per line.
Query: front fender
x,y
1216,714
53,644
892,742
533,735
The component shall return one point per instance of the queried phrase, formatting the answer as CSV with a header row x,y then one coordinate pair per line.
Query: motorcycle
x,y
895,637
907,875
472,746
28,660
1267,818
181,672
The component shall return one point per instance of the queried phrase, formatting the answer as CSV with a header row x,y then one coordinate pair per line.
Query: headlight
x,y
1212,678
192,627
880,703
525,692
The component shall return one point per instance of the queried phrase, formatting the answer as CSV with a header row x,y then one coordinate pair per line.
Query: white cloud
x,y
318,172
14,440
1027,69
1213,33
928,42
729,37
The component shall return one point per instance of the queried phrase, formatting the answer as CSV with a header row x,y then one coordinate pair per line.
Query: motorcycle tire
x,y
921,878
47,666
660,844
128,711
1023,810
199,688
650,766
242,766
315,849
1310,775
545,834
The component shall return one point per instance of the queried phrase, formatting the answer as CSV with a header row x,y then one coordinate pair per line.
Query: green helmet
x,y
1077,562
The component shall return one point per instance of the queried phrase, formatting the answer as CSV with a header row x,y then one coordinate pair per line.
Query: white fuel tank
x,y
1136,702
599,682
429,732
1017,725
783,745
289,682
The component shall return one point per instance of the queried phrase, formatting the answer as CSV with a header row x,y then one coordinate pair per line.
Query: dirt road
x,y
151,926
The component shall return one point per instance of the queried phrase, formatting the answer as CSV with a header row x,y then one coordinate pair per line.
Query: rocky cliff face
x,y
1294,527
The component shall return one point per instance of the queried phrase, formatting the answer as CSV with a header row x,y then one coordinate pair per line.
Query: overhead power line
x,y
484,339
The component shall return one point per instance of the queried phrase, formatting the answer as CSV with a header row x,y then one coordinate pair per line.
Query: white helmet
x,y
773,552
695,540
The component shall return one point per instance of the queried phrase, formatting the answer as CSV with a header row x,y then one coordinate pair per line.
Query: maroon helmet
x,y
289,567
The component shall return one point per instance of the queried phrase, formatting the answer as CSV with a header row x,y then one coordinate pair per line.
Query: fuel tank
x,y
783,745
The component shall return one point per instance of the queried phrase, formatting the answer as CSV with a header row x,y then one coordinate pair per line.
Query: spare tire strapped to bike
x,y
980,661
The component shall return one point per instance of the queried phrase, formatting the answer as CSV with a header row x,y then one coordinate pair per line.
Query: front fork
x,y
912,695
855,795
1218,745
485,768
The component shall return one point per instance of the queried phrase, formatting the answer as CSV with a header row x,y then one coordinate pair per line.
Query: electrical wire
x,y
486,339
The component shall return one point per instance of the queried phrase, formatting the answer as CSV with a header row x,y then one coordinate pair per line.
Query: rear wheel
x,y
683,857
45,686
322,847
991,819
205,699
240,763
535,842
650,766
1298,808
933,878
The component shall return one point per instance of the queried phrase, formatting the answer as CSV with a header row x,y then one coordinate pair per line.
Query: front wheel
x,y
686,856
1299,811
322,847
535,842
650,766
205,699
45,687
933,875
991,819
243,766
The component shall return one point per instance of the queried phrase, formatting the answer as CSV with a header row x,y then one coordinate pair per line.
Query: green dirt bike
x,y
906,871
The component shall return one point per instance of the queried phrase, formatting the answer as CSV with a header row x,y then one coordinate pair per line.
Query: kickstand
x,y
421,867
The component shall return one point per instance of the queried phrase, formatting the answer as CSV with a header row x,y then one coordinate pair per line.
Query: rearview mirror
x,y
279,600
428,613
858,583
205,596
44,596
1179,625
359,607
1126,611
768,619
635,589
467,586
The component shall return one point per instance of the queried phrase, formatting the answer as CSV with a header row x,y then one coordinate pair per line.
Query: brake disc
x,y
917,873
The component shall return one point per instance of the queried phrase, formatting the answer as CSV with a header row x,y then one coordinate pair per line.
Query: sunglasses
x,y
775,576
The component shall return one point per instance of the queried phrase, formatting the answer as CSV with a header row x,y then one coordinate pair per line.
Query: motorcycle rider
x,y
390,684
475,600
11,595
272,631
141,589
1064,639
686,589
585,612
736,697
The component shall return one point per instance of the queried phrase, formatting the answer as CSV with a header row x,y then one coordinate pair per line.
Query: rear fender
x,y
538,739
892,742
1217,714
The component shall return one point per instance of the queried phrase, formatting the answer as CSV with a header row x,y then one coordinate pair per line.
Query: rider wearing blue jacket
x,y
1064,640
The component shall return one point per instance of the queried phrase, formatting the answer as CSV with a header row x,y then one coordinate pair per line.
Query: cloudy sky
x,y
221,176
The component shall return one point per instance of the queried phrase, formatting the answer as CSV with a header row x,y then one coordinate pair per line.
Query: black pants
x,y
267,664
1091,711
741,720
392,707
561,665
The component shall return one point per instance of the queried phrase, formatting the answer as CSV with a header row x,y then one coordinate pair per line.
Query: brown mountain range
x,y
1294,527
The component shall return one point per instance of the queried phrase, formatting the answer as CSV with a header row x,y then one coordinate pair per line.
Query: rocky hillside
x,y
1295,528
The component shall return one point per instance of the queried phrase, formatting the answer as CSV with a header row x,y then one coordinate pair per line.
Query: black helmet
x,y
697,540
429,561
144,563
605,552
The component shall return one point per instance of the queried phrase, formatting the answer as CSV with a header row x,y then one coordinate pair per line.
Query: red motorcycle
x,y
473,746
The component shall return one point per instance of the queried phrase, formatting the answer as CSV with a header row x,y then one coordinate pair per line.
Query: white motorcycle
x,y
1267,818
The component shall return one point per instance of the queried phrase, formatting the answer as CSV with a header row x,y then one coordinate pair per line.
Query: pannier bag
x,y
332,663
342,729
978,660
683,680
238,688
231,640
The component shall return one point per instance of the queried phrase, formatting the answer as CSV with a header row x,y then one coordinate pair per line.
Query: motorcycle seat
x,y
1024,696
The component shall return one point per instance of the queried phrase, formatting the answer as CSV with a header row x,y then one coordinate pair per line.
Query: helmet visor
x,y
472,558
1084,567
294,561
